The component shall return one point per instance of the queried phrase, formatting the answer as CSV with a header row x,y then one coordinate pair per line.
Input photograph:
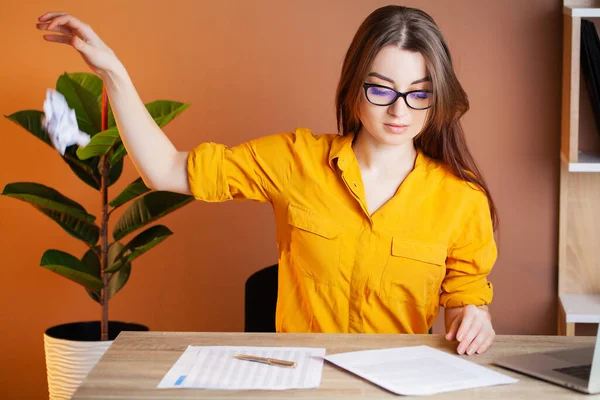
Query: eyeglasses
x,y
385,96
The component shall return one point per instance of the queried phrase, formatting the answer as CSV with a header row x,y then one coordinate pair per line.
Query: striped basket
x,y
68,363
73,349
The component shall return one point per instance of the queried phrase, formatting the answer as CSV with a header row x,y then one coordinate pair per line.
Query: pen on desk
x,y
265,360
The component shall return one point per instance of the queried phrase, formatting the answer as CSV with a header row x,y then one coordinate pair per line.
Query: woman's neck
x,y
381,160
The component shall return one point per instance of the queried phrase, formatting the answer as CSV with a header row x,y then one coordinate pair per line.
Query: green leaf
x,y
71,268
71,216
84,172
82,230
47,198
147,209
111,117
163,111
94,295
31,121
99,145
83,92
141,244
119,278
91,260
118,153
115,172
135,189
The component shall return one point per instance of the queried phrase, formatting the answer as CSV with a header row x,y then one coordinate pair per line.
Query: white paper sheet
x,y
214,367
60,122
418,370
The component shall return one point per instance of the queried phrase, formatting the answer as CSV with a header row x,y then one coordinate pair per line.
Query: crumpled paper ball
x,y
60,122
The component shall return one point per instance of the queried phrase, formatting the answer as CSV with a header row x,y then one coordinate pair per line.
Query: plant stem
x,y
104,230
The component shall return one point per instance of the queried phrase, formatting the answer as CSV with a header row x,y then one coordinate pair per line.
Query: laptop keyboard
x,y
578,371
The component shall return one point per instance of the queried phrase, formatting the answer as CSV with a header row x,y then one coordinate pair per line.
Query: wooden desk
x,y
137,361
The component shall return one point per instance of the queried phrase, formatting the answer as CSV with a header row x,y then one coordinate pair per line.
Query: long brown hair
x,y
442,137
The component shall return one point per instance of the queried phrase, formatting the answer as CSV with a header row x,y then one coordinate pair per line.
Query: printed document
x,y
214,367
418,370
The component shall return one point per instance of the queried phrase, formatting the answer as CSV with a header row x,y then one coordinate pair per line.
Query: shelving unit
x,y
586,162
579,217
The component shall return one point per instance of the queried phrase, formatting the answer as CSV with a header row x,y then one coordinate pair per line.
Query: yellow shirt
x,y
340,268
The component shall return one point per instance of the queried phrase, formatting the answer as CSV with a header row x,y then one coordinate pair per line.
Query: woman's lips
x,y
396,128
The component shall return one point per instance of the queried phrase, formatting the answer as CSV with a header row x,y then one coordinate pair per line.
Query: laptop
x,y
577,369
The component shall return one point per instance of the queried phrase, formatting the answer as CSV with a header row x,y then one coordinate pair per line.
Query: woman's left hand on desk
x,y
472,327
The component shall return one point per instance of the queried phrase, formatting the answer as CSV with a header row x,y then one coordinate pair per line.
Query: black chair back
x,y
261,300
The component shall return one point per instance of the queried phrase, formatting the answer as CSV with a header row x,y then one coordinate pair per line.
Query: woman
x,y
377,226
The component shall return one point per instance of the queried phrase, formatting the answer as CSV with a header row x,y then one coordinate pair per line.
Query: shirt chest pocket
x,y
315,244
413,272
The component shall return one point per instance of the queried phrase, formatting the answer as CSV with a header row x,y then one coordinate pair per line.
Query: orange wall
x,y
279,61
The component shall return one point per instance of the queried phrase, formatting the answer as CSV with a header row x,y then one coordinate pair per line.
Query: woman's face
x,y
403,71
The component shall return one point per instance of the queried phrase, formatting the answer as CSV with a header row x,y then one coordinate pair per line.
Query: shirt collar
x,y
341,150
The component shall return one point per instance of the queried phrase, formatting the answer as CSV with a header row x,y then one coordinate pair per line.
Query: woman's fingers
x,y
487,343
67,21
61,29
70,25
465,326
468,337
99,57
50,15
479,340
451,335
58,38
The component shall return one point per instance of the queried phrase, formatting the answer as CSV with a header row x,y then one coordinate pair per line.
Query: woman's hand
x,y
98,56
472,327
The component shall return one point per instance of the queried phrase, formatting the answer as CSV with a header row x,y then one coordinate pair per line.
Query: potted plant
x,y
73,349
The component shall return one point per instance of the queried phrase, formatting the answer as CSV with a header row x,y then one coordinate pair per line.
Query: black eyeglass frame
x,y
366,87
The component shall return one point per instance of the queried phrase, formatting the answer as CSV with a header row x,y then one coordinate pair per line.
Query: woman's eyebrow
x,y
385,78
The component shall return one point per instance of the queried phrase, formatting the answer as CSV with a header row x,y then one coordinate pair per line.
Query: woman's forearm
x,y
158,162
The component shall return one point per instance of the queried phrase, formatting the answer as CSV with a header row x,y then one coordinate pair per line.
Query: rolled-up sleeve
x,y
255,170
471,258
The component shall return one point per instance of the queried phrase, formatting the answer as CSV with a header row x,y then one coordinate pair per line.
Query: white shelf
x,y
587,162
581,308
582,12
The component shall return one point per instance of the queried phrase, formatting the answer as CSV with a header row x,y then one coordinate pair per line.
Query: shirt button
x,y
354,183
